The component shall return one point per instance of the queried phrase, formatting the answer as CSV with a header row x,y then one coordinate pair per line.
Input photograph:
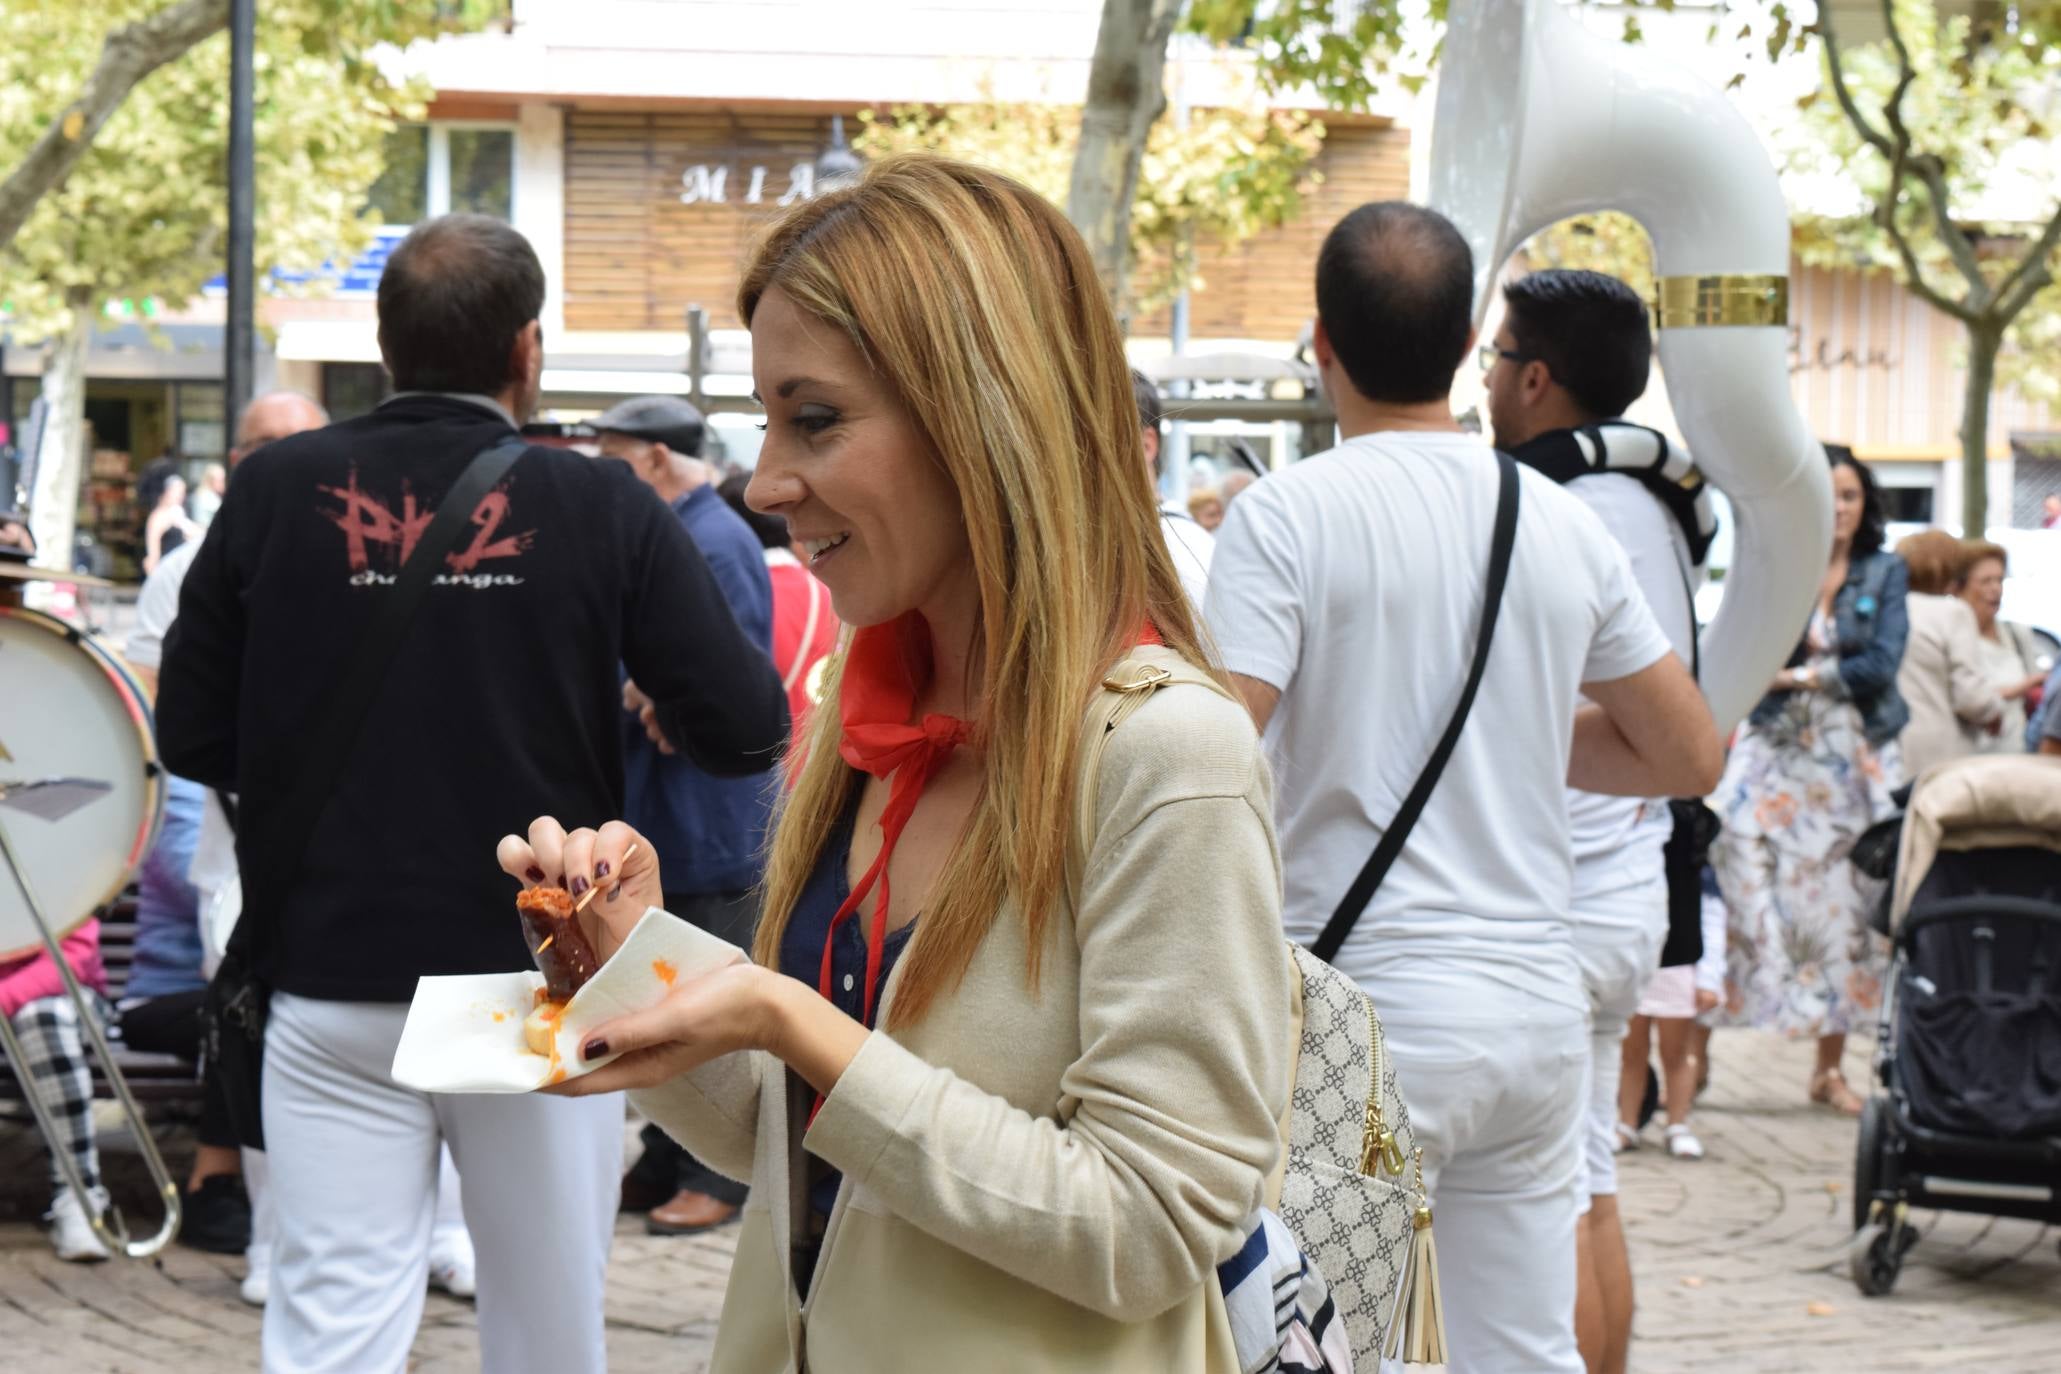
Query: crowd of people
x,y
1007,1063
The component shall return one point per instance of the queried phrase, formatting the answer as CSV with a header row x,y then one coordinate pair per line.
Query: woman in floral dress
x,y
1812,769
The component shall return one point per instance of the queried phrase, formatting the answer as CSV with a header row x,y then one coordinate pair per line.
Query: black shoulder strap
x,y
349,701
1392,840
1695,632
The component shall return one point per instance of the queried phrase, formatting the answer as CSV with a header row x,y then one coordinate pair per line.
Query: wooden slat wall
x,y
1874,366
1265,288
636,257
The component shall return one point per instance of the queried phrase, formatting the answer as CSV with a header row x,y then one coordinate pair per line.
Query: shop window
x,y
401,195
482,171
203,430
1907,505
434,169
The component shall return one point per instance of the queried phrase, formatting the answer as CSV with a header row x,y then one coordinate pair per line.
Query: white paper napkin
x,y
464,1034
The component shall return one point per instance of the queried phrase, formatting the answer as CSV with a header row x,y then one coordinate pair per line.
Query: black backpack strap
x,y
1392,839
349,701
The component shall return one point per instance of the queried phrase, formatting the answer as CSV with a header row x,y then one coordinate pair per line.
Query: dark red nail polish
x,y
536,874
616,892
580,885
600,870
594,1048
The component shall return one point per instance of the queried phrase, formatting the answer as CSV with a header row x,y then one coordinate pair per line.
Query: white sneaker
x,y
71,1229
450,1267
1682,1142
257,1277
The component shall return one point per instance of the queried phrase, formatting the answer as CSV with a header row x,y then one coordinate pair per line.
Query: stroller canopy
x,y
1985,802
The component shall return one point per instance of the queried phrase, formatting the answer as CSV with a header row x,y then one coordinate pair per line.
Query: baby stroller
x,y
1967,1116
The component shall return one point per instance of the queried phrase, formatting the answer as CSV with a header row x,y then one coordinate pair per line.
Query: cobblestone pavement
x,y
1740,1260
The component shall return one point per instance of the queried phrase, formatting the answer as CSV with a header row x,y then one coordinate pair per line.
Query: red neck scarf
x,y
885,668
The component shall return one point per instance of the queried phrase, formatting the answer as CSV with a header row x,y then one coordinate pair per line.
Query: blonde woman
x,y
1004,1095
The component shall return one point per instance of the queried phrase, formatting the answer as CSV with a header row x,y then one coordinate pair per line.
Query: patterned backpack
x,y
1350,1190
1343,1194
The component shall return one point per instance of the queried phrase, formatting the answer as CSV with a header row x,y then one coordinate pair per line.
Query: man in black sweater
x,y
501,704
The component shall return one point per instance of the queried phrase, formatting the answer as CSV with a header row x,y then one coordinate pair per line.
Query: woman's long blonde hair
x,y
977,303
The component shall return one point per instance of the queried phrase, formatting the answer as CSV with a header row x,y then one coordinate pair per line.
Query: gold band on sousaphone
x,y
1717,301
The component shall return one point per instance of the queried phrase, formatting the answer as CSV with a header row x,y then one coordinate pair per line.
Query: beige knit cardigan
x,y
1041,1178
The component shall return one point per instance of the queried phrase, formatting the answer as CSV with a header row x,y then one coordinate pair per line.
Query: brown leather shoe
x,y
688,1213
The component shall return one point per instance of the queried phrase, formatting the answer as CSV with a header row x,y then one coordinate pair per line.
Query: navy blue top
x,y
801,956
707,831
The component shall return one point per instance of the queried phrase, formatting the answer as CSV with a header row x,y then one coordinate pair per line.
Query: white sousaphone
x,y
1539,120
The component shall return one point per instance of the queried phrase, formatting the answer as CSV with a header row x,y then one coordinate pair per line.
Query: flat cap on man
x,y
664,420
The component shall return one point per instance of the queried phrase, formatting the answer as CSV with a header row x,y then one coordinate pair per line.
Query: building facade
x,y
640,144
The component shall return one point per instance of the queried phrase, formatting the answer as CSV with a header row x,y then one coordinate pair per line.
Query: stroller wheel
x,y
1871,1142
1875,1259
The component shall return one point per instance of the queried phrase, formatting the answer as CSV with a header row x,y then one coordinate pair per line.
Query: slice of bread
x,y
540,1027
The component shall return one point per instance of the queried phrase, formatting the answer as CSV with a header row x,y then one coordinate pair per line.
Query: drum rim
x,y
137,703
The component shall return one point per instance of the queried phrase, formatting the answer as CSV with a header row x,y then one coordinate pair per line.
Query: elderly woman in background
x,y
1954,705
2011,657
1813,768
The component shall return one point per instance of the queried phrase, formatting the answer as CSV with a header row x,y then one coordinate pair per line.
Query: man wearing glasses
x,y
1573,353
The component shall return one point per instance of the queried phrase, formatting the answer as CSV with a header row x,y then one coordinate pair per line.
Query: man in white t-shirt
x,y
1190,544
1346,598
1573,352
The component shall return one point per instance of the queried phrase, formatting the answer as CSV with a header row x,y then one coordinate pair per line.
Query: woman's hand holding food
x,y
582,861
738,1007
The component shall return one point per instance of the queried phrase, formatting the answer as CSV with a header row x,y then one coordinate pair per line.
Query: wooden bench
x,y
162,1078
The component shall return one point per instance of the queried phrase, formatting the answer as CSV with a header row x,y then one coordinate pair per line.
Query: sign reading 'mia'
x,y
708,183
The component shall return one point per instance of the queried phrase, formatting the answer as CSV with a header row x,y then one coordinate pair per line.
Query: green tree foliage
x,y
1228,175
130,52
1944,123
144,212
1347,51
1608,241
1945,128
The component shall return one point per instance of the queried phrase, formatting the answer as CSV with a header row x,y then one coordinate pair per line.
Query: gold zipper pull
x,y
1379,1142
1372,1137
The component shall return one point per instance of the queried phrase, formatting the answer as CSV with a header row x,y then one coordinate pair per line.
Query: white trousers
x,y
448,1239
1493,1079
354,1166
1617,939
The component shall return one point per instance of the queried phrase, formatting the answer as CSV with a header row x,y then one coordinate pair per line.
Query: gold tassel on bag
x,y
1418,1333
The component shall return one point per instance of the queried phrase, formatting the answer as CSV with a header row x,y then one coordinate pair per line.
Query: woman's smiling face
x,y
868,502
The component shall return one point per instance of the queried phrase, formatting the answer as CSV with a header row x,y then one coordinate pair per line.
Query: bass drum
x,y
81,790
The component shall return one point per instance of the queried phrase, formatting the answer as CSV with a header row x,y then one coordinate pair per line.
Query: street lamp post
x,y
837,165
240,336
